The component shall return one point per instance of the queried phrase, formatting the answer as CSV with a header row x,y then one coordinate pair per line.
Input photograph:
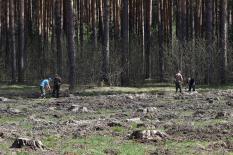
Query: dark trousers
x,y
56,90
191,87
42,91
178,86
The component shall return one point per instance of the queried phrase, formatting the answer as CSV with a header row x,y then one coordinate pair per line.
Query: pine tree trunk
x,y
161,40
209,37
58,29
81,26
223,40
71,44
13,43
105,50
147,29
125,45
94,28
101,25
21,62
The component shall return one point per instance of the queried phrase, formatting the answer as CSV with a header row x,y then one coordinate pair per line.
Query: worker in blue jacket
x,y
44,85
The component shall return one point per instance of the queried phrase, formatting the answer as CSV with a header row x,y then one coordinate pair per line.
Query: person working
x,y
44,85
56,85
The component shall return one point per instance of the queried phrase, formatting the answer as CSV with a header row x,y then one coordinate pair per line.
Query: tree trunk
x,y
183,21
13,43
117,20
21,62
161,40
71,44
58,29
147,29
105,50
125,45
81,26
94,28
209,37
101,26
223,40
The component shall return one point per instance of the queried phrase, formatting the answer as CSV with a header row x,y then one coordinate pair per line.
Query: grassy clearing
x,y
17,89
205,123
97,145
186,147
151,88
122,90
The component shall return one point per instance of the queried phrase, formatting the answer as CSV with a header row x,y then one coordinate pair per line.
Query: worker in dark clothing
x,y
191,83
56,85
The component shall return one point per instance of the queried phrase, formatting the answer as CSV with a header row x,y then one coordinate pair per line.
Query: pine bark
x,y
94,26
21,66
125,45
161,40
58,29
223,40
209,37
147,29
105,46
13,42
71,44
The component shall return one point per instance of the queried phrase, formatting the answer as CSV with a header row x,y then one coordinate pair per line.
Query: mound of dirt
x,y
77,108
111,152
151,135
25,142
3,99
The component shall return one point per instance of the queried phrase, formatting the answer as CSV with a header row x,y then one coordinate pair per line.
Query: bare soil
x,y
202,118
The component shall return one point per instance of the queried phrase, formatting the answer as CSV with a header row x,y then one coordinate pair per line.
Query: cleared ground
x,y
96,121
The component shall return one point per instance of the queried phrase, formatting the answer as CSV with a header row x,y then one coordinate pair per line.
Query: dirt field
x,y
148,123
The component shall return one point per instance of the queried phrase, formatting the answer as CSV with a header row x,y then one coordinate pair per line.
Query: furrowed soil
x,y
194,123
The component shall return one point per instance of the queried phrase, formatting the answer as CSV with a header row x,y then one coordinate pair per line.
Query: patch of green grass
x,y
185,147
134,126
186,113
122,90
133,148
25,125
192,148
22,87
10,119
96,145
23,153
52,141
106,111
118,129
201,123
20,121
3,146
17,89
204,123
214,87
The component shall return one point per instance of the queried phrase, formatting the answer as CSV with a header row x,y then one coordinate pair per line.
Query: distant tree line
x,y
116,42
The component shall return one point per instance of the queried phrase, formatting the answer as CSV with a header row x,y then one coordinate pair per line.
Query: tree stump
x,y
25,142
